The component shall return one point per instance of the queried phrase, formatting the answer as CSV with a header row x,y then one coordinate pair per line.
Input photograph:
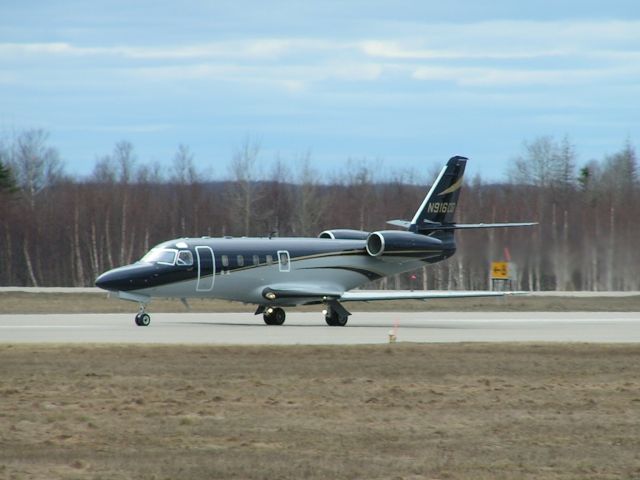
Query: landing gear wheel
x,y
143,319
334,320
274,316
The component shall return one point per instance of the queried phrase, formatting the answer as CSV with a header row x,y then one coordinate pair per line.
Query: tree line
x,y
57,229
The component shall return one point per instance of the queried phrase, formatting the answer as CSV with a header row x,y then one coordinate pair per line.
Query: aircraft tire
x,y
276,317
334,320
143,320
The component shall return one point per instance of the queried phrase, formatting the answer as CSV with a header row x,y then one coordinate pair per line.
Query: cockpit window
x,y
163,256
185,257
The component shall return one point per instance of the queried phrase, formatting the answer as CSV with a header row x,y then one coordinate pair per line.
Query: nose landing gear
x,y
142,318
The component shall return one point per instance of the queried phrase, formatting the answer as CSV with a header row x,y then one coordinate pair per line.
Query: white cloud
x,y
497,40
498,53
505,40
294,78
488,77
399,51
267,48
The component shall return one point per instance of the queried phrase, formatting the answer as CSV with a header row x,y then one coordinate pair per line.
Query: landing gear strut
x,y
336,315
142,318
274,316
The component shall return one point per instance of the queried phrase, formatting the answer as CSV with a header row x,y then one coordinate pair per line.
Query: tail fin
x,y
440,203
437,209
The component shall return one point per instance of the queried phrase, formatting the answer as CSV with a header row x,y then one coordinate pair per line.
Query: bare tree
x,y
125,161
310,205
545,163
243,192
183,171
104,171
35,164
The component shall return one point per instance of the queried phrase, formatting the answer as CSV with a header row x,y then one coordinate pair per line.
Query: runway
x,y
310,328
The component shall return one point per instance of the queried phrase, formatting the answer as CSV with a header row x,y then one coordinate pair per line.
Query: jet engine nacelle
x,y
394,241
344,234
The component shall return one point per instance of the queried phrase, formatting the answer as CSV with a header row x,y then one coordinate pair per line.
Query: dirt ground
x,y
21,302
403,411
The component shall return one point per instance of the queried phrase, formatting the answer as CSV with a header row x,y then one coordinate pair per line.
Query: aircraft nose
x,y
108,281
129,277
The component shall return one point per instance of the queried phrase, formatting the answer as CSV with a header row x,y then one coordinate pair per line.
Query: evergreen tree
x,y
7,181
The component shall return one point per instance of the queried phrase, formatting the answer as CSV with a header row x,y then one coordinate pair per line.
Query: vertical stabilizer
x,y
440,203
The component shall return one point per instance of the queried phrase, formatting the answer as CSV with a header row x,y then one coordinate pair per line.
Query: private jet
x,y
274,272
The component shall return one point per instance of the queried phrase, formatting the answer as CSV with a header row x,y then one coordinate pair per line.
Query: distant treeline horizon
x,y
61,230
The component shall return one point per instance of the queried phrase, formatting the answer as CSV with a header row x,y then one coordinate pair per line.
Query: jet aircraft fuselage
x,y
248,269
274,272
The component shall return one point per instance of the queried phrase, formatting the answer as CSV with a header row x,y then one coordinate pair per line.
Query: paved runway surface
x,y
310,328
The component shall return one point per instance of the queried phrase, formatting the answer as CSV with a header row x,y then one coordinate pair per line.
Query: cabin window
x,y
185,258
225,261
240,259
256,260
163,256
269,259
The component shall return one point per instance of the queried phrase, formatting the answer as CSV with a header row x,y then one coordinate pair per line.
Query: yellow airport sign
x,y
500,270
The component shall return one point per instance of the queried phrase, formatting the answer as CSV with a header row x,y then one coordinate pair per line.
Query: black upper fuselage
x,y
232,255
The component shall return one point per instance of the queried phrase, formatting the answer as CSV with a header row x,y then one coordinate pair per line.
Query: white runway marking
x,y
310,328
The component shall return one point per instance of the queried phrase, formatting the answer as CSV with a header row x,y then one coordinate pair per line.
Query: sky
x,y
404,84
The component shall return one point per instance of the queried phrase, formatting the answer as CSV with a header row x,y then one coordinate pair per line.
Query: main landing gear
x,y
142,318
335,314
274,316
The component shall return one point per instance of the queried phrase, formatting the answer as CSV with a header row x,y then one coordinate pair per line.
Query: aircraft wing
x,y
372,295
296,291
285,291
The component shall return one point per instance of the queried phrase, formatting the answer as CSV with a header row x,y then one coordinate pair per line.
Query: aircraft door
x,y
206,269
284,262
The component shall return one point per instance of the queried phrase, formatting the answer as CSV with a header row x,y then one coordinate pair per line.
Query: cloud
x,y
481,54
266,48
507,40
495,40
291,78
490,77
399,51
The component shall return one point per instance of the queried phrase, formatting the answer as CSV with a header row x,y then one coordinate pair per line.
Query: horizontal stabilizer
x,y
463,226
431,226
375,295
400,223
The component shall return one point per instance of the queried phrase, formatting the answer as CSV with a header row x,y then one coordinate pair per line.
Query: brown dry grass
x,y
402,411
22,302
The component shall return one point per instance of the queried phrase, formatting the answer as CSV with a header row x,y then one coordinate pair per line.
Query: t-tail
x,y
440,203
438,207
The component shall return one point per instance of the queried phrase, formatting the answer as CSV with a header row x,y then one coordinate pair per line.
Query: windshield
x,y
160,255
185,257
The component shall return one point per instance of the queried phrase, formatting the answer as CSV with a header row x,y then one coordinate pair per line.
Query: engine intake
x,y
344,234
409,243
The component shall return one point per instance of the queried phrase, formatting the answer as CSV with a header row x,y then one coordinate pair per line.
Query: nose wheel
x,y
142,318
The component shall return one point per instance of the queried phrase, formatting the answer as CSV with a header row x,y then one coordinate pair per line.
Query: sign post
x,y
502,274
